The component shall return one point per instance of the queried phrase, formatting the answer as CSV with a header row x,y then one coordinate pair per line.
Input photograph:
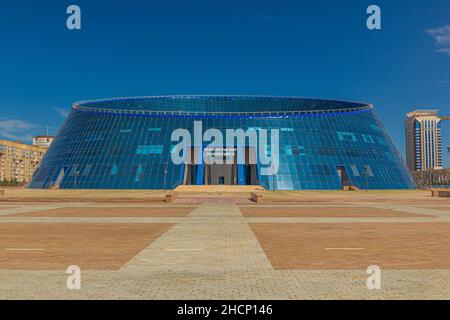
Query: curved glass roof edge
x,y
90,106
163,114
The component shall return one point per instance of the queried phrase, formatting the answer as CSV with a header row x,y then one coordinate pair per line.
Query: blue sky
x,y
302,48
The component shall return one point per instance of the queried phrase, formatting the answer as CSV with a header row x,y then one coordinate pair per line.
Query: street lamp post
x,y
165,175
76,175
367,177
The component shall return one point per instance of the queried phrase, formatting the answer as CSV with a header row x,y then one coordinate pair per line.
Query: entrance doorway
x,y
191,157
60,177
223,172
342,172
237,166
250,168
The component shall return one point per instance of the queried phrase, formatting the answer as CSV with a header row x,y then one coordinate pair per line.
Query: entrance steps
x,y
218,188
350,188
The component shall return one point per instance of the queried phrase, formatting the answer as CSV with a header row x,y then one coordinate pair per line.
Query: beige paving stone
x,y
292,284
212,238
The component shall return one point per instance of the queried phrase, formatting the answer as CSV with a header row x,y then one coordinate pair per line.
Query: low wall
x,y
100,196
170,197
256,197
441,193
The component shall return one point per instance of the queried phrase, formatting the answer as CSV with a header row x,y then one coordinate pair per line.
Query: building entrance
x,y
342,172
221,166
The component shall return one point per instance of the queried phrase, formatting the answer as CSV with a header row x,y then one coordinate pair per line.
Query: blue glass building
x,y
125,143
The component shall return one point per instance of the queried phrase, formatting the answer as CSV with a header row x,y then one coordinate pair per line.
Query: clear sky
x,y
302,48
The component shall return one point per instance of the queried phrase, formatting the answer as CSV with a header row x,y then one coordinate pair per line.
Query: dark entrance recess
x,y
225,173
342,172
250,168
221,173
191,166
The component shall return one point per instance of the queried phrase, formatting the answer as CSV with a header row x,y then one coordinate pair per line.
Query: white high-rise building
x,y
423,140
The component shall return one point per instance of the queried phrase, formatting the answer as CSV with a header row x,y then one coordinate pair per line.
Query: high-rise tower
x,y
423,140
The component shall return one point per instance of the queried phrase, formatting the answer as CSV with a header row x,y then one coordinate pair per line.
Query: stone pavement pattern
x,y
212,253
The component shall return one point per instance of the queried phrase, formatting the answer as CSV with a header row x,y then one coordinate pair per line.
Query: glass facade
x,y
126,143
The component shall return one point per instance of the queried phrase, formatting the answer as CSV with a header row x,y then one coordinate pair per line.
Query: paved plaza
x,y
299,245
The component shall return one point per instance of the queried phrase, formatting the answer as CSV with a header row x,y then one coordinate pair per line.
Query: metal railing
x,y
262,114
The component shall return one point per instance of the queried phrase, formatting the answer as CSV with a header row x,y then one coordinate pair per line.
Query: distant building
x,y
43,141
423,140
18,161
432,178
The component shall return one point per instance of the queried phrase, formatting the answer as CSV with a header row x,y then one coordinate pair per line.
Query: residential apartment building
x,y
43,141
18,161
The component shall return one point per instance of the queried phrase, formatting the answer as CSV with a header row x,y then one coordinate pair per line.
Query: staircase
x,y
218,188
